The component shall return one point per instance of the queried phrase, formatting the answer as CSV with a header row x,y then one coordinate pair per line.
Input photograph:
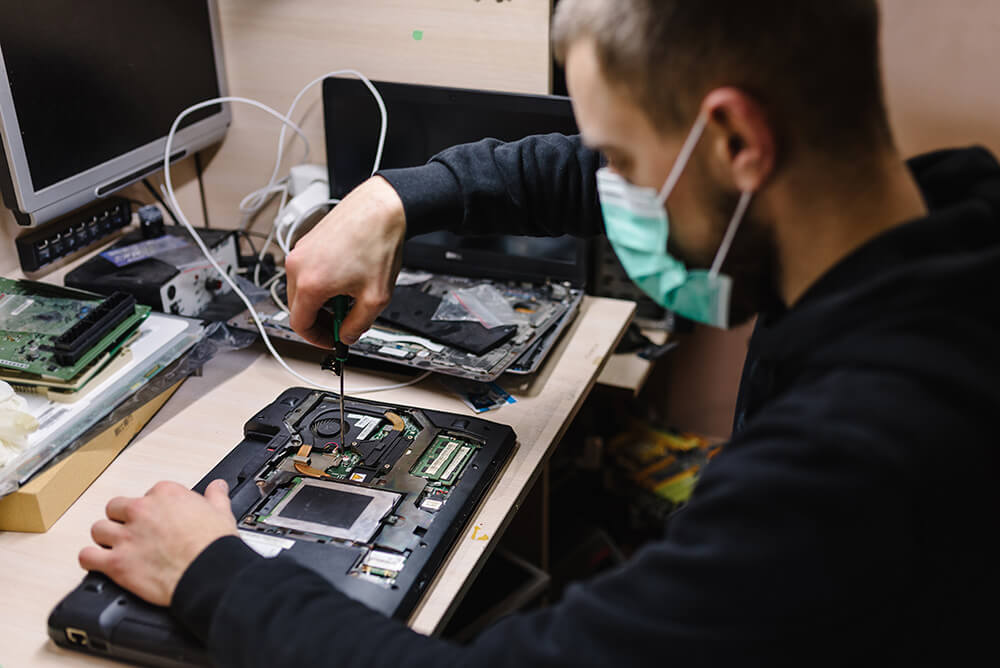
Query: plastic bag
x,y
481,303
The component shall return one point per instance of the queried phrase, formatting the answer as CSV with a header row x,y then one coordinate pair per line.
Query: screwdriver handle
x,y
339,313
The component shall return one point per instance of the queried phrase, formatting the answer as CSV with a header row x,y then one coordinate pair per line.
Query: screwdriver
x,y
340,358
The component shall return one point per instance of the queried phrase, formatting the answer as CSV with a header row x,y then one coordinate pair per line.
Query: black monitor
x,y
425,120
88,91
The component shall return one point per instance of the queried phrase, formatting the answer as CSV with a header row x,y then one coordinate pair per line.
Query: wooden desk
x,y
628,371
204,420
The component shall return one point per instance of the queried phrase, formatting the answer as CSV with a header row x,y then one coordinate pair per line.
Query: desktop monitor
x,y
89,90
425,120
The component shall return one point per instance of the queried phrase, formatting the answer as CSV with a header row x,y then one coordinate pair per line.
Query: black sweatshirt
x,y
848,521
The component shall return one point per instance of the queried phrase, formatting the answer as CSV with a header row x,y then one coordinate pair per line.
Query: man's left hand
x,y
147,543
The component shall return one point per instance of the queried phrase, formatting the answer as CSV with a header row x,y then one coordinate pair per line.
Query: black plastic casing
x,y
127,628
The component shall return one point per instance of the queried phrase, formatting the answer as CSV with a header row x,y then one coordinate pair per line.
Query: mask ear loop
x,y
682,158
734,224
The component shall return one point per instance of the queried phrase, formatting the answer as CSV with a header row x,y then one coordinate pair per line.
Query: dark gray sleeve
x,y
794,550
543,185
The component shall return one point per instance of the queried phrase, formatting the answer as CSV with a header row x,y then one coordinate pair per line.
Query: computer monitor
x,y
425,120
88,91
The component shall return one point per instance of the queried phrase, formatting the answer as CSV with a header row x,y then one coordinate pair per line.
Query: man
x,y
849,517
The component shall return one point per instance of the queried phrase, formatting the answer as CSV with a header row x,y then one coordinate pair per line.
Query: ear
x,y
743,141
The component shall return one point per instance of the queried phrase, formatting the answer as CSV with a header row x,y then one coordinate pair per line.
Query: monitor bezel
x,y
32,206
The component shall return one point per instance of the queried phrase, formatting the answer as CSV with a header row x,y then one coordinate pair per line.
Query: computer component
x,y
414,309
543,311
376,519
167,272
73,233
427,120
542,278
88,92
50,334
150,348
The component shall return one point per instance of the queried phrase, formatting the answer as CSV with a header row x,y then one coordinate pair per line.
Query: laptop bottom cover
x,y
376,519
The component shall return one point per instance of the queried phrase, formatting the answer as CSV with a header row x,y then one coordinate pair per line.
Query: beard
x,y
752,261
752,264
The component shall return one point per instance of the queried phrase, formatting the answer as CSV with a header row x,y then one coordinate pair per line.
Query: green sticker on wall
x,y
418,35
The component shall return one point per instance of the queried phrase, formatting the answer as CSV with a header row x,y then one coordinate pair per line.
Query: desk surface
x,y
628,371
204,420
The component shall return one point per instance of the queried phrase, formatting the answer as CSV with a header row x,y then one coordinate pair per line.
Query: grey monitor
x,y
88,91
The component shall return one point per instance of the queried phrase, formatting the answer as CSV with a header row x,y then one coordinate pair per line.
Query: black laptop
x,y
376,519
541,279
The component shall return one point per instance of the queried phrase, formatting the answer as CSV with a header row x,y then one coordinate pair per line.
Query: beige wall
x,y
940,60
273,48
8,256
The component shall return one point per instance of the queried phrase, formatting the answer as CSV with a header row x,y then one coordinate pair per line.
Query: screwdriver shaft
x,y
343,433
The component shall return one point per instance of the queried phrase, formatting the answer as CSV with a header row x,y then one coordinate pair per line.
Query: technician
x,y
852,517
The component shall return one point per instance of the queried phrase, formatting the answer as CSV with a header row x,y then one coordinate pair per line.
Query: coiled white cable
x,y
256,200
172,198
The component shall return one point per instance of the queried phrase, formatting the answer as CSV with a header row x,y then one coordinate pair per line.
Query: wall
x,y
274,47
8,255
940,62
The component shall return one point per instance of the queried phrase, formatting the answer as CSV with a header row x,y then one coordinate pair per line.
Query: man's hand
x,y
149,542
356,250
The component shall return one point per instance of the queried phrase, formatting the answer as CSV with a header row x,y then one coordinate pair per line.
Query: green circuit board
x,y
56,333
444,459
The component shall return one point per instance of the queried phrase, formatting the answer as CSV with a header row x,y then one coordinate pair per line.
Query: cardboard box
x,y
37,505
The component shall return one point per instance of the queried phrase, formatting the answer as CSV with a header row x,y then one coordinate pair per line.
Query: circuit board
x,y
58,334
373,511
322,486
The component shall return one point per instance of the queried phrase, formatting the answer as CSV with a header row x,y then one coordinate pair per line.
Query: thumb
x,y
217,493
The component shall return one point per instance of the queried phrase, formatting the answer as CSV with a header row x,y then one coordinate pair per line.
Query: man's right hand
x,y
355,250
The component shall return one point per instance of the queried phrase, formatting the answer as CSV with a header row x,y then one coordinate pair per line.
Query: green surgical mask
x,y
637,225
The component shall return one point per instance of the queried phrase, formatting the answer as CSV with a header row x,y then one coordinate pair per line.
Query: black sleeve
x,y
794,550
543,185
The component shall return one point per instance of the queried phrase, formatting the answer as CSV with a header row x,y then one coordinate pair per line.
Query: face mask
x,y
637,226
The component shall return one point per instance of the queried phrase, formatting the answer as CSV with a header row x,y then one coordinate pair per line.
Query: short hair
x,y
813,66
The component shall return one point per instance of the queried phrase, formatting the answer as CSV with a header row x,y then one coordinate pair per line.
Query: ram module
x,y
444,460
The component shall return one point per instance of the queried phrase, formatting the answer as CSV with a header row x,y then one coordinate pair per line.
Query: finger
x,y
360,319
321,333
304,313
217,493
119,508
94,558
107,533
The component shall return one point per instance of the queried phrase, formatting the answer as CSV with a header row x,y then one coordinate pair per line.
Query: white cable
x,y
260,202
277,275
286,243
277,300
256,200
172,197
378,100
261,254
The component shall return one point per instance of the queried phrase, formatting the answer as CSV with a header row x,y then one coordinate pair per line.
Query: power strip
x,y
73,233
